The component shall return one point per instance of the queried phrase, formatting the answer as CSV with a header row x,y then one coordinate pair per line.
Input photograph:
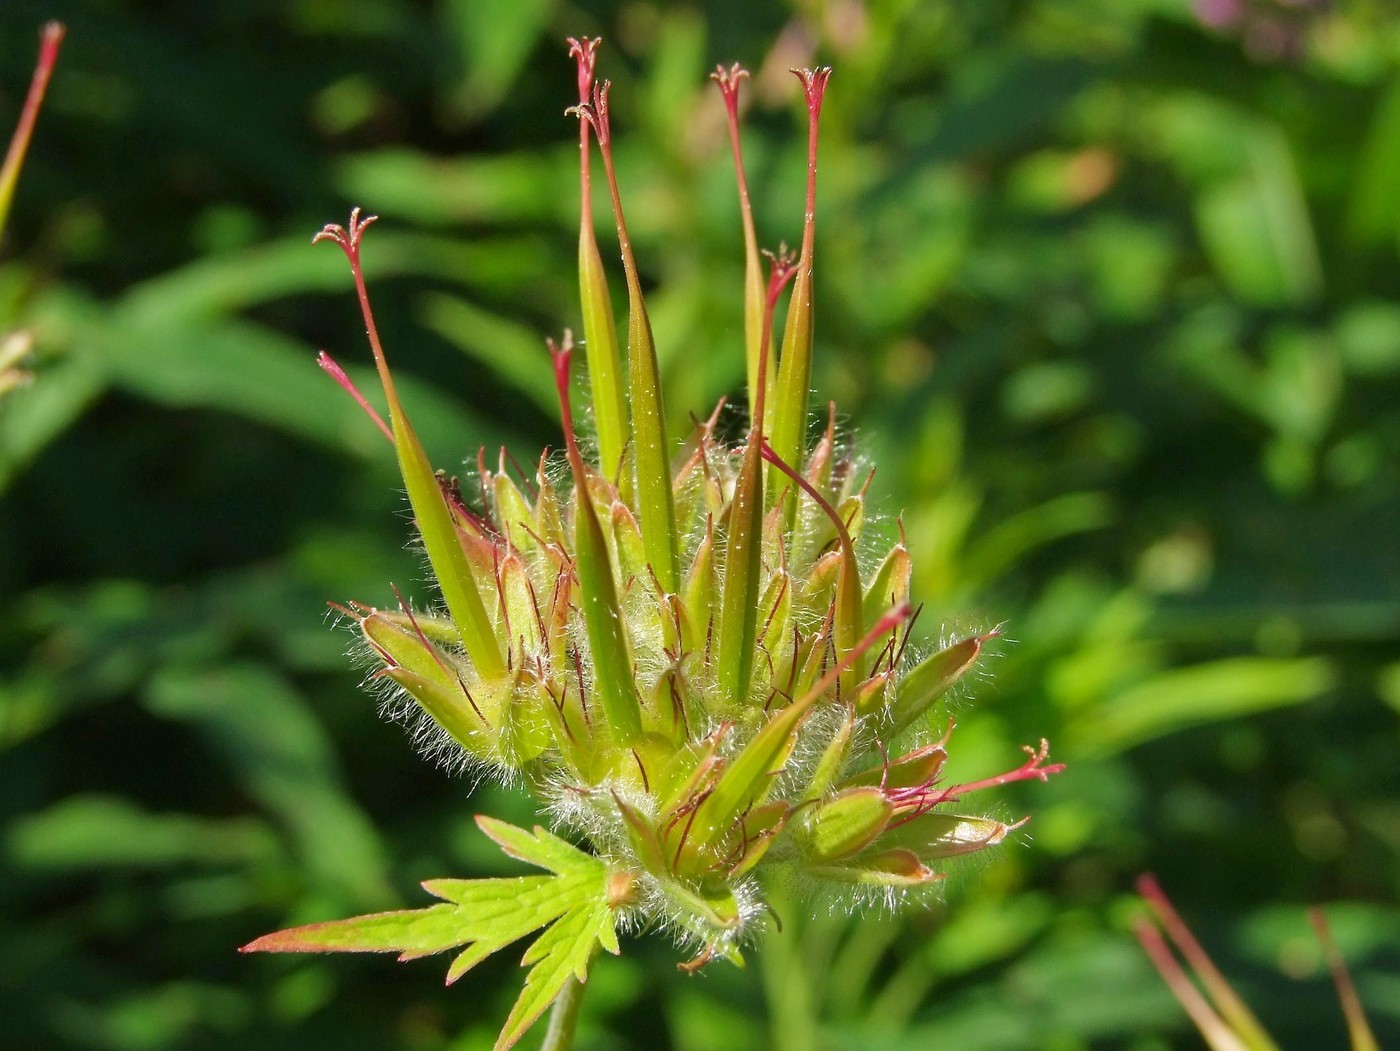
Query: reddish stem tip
x,y
585,51
51,36
728,81
602,126
813,86
782,265
561,354
596,113
347,238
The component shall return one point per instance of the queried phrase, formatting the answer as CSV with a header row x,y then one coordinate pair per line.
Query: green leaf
x,y
485,915
560,952
494,41
541,847
265,731
1230,688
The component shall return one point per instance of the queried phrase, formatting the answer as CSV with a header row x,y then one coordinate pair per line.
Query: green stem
x,y
563,1017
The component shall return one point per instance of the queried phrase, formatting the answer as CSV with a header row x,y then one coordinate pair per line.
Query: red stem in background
x,y
1362,1038
50,39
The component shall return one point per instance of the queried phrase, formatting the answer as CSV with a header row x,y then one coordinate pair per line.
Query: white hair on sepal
x,y
813,737
837,897
692,933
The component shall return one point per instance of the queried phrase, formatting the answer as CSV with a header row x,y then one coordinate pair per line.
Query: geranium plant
x,y
691,653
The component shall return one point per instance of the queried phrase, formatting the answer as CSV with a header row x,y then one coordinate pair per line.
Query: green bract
x,y
677,651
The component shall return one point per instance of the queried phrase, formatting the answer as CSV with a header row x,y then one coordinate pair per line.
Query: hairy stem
x,y
563,1017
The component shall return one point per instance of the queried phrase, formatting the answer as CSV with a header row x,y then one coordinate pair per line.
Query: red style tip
x,y
347,238
728,81
1033,768
585,51
50,37
562,354
813,86
596,113
782,266
602,126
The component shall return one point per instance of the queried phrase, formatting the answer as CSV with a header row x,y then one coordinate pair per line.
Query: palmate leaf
x,y
574,906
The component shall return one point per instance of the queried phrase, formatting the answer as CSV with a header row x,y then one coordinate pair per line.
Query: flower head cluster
x,y
675,646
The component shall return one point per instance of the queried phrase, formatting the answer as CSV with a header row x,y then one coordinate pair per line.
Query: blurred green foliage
x,y
1109,288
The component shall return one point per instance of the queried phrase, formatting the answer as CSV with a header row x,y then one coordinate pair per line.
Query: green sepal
x,y
604,361
776,610
818,589
738,614
871,694
759,830
851,511
556,611
698,765
937,835
713,909
437,527
700,592
930,679
602,616
883,868
514,515
646,844
890,585
911,770
549,516
431,678
833,758
627,542
847,622
749,775
438,630
665,713
844,824
524,731
403,641
452,710
522,620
